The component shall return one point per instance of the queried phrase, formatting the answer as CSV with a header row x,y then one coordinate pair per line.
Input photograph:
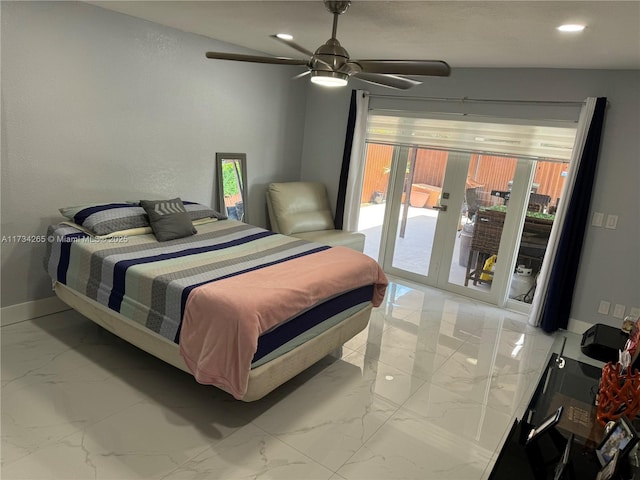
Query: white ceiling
x,y
463,33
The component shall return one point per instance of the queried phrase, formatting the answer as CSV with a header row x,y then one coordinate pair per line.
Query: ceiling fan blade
x,y
255,58
300,75
392,81
406,67
294,45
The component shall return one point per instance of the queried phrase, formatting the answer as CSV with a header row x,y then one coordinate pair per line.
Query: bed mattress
x,y
150,282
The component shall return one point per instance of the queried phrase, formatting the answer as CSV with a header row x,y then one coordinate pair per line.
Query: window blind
x,y
553,143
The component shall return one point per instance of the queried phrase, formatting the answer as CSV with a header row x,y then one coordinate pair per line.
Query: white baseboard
x,y
28,310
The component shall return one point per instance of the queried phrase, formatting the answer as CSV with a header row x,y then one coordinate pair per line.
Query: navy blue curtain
x,y
346,160
557,306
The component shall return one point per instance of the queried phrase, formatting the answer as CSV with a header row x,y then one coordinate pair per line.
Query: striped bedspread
x,y
150,282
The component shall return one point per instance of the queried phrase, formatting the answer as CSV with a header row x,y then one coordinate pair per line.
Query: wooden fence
x,y
490,172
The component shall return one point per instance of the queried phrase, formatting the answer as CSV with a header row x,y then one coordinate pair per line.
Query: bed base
x,y
262,380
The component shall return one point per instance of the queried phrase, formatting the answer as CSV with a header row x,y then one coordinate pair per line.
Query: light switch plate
x,y
612,222
598,217
618,311
604,307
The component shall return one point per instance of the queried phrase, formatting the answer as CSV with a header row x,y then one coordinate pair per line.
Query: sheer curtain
x,y
353,160
555,284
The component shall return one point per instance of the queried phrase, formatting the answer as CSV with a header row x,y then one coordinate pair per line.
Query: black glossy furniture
x,y
603,342
573,385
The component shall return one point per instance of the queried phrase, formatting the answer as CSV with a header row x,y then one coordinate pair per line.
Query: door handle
x,y
440,207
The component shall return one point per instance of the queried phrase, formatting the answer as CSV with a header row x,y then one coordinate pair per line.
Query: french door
x,y
463,204
426,225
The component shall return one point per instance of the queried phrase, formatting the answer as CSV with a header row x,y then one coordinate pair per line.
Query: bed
x,y
237,306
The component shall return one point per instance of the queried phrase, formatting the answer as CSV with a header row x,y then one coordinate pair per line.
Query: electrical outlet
x,y
635,312
618,311
598,217
604,307
612,222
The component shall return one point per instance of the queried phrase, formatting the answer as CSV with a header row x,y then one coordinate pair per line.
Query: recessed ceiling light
x,y
284,36
571,27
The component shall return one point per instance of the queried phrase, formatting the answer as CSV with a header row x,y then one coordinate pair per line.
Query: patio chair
x,y
538,202
302,210
487,232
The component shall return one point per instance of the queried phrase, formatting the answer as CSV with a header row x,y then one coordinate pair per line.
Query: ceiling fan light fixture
x,y
571,27
329,79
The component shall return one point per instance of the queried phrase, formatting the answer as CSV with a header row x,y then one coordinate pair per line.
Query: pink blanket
x,y
223,319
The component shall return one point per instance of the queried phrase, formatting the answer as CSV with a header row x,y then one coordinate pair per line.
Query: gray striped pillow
x,y
106,218
168,218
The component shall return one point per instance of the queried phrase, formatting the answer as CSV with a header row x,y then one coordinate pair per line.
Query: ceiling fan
x,y
330,64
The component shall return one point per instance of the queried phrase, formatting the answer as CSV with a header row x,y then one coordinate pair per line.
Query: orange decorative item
x,y
619,393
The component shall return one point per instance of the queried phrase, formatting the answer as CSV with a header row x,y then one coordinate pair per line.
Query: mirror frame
x,y
242,159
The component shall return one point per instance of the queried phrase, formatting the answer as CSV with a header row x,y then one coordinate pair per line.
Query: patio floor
x,y
413,250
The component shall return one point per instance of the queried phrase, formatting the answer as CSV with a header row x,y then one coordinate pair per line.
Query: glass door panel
x,y
541,203
411,221
373,202
419,209
482,222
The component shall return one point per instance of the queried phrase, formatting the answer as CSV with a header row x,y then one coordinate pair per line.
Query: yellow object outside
x,y
489,265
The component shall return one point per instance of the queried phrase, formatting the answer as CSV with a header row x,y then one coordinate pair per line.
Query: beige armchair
x,y
302,210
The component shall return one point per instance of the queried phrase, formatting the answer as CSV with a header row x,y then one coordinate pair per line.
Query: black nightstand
x,y
603,342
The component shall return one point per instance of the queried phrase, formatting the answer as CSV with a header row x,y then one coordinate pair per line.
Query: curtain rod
x,y
477,100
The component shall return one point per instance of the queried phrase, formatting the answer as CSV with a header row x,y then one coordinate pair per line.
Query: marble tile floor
x,y
427,391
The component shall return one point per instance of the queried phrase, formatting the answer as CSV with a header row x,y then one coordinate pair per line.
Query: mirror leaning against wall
x,y
231,173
